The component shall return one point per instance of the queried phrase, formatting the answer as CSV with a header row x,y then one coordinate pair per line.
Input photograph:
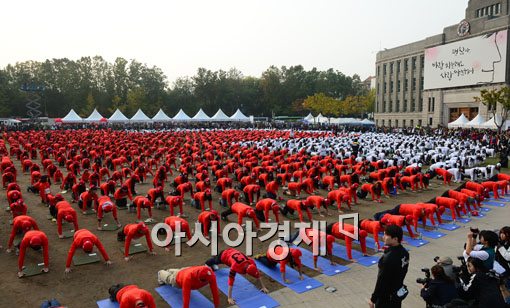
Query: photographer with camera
x,y
481,288
438,291
484,249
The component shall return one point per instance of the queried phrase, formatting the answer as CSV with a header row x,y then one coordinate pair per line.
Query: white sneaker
x,y
160,279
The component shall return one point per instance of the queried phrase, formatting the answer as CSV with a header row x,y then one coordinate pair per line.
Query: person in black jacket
x,y
440,290
482,287
393,267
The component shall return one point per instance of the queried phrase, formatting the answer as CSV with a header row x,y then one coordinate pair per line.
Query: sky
x,y
250,35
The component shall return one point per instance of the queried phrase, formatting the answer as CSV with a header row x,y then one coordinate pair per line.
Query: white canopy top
x,y
239,116
492,125
72,117
201,116
95,116
140,117
161,116
220,116
367,122
321,119
181,116
476,122
460,122
309,117
118,117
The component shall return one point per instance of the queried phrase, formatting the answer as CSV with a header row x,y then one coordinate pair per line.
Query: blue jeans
x,y
50,304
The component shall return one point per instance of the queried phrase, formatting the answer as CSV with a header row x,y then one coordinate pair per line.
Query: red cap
x,y
87,246
69,218
59,197
35,242
409,219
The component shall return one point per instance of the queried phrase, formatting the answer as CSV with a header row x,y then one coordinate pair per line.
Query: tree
x,y
320,103
491,98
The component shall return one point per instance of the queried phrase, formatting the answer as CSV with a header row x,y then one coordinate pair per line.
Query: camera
x,y
475,232
426,280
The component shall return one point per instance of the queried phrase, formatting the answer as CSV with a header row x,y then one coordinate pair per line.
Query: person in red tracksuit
x,y
249,191
134,231
450,203
77,190
272,189
190,278
174,201
334,229
318,202
172,222
263,207
291,256
131,296
106,206
21,225
503,185
185,187
339,196
18,208
121,195
387,186
239,264
68,213
200,197
142,203
491,186
430,209
447,176
223,183
478,188
86,199
203,185
294,189
315,237
86,240
206,218
464,200
372,227
156,193
293,205
400,221
241,210
13,196
227,195
373,189
417,211
107,188
36,240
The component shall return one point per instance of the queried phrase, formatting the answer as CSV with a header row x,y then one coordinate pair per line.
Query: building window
x,y
421,82
477,13
398,66
404,108
429,104
391,86
406,64
433,103
398,85
412,105
420,103
414,63
406,85
404,123
384,87
396,123
391,68
497,8
376,122
383,106
422,61
397,106
389,123
382,122
411,122
384,69
390,105
419,122
430,121
377,70
414,84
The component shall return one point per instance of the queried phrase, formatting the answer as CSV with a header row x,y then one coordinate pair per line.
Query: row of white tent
x,y
141,117
339,121
478,122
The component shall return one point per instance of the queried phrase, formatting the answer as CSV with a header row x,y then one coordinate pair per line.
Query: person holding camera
x,y
390,290
481,288
484,249
440,290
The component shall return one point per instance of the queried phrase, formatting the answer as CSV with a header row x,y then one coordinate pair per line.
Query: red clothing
x,y
315,235
30,236
432,208
18,208
238,263
266,205
476,187
450,203
128,296
173,201
335,231
194,278
299,206
316,201
415,210
172,222
106,205
250,190
132,232
63,213
447,177
87,197
243,210
229,194
369,188
490,185
201,196
398,220
80,237
339,196
142,202
20,224
292,253
373,227
205,219
272,187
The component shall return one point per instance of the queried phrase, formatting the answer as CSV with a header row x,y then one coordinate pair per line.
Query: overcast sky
x,y
250,35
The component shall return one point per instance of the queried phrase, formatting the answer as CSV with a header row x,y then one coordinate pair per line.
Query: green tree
x,y
491,98
320,103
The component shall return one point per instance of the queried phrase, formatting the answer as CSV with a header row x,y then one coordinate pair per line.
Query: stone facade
x,y
401,99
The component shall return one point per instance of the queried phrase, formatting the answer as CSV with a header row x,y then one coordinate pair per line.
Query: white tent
x,y
239,116
118,117
181,116
476,122
140,117
367,122
492,125
72,117
321,119
94,117
220,116
460,122
201,116
161,117
309,118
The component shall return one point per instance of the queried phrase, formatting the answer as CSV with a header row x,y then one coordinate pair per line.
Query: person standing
x,y
389,289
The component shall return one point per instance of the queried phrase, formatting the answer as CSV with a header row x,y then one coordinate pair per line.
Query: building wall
x,y
401,105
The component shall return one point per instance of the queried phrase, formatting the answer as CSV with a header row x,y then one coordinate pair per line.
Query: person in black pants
x,y
389,289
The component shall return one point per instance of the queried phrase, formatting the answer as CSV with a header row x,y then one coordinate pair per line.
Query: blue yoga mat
x,y
244,292
107,303
173,297
323,263
504,199
485,209
296,285
371,242
431,233
415,243
341,252
463,220
449,227
494,203
481,214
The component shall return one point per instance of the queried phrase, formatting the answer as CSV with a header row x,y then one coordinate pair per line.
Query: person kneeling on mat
x,y
134,231
292,256
86,240
239,263
190,278
131,296
36,240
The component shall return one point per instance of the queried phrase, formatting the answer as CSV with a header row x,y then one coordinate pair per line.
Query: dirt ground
x,y
89,283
